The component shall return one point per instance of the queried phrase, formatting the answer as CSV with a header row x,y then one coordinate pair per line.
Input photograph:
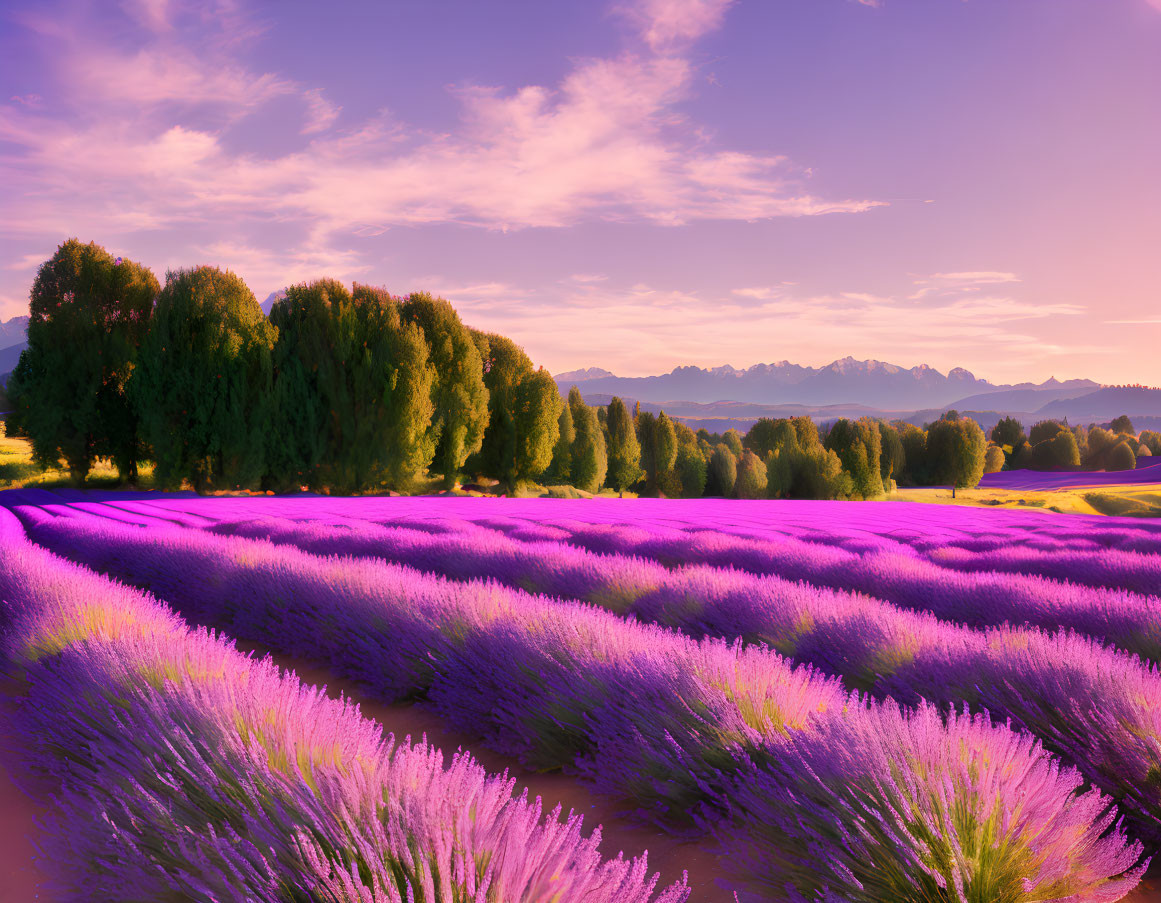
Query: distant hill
x,y
13,332
8,359
878,385
1105,404
271,298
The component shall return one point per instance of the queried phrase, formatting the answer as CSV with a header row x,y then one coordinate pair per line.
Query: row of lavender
x,y
181,767
1097,707
812,580
808,786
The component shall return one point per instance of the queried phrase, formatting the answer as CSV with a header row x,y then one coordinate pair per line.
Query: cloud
x,y
664,24
141,144
982,277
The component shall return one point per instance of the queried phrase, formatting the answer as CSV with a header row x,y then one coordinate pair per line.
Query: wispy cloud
x,y
141,143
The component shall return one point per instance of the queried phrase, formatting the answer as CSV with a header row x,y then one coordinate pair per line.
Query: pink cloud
x,y
666,23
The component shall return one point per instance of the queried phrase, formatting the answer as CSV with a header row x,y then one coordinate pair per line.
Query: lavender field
x,y
843,702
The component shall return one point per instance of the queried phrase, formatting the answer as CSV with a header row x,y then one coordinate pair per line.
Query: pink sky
x,y
635,186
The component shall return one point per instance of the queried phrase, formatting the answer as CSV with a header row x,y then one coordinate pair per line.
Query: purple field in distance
x,y
594,634
1033,479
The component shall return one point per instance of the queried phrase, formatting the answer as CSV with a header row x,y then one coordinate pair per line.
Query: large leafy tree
x,y
203,384
352,390
88,316
589,454
459,396
1010,432
658,441
956,450
859,446
623,448
536,424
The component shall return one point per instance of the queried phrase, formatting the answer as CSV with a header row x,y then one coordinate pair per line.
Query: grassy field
x,y
1116,501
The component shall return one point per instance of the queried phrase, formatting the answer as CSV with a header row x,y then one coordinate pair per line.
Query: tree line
x,y
358,390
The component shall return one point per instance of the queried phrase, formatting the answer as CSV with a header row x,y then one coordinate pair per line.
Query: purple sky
x,y
633,185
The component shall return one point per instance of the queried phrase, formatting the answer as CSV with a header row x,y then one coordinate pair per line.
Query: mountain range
x,y
847,381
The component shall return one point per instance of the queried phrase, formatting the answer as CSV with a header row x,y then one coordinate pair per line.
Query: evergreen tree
x,y
505,365
589,456
623,449
203,384
536,422
88,316
722,472
892,458
560,468
1009,432
459,397
658,441
690,468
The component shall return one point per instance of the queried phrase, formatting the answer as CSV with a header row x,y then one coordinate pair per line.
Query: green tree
x,y
1058,453
762,436
690,468
88,316
892,458
956,451
1100,443
1121,457
589,455
994,459
858,445
560,468
536,421
733,439
916,471
722,472
1123,425
623,449
459,397
352,391
1151,440
504,366
203,384
1045,429
751,477
658,441
1009,432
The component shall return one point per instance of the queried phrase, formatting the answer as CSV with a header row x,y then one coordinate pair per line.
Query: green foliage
x,y
1151,440
1123,425
459,397
690,469
733,439
892,458
1058,453
560,468
202,387
1044,430
623,449
1009,431
751,477
1101,442
955,452
536,421
915,465
352,391
1121,457
88,316
504,365
722,472
858,445
658,441
994,459
951,415
762,437
589,456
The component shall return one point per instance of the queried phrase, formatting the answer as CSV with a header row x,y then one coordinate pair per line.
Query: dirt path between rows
x,y
667,855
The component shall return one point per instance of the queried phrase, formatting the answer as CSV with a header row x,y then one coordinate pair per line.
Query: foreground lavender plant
x,y
189,771
653,714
